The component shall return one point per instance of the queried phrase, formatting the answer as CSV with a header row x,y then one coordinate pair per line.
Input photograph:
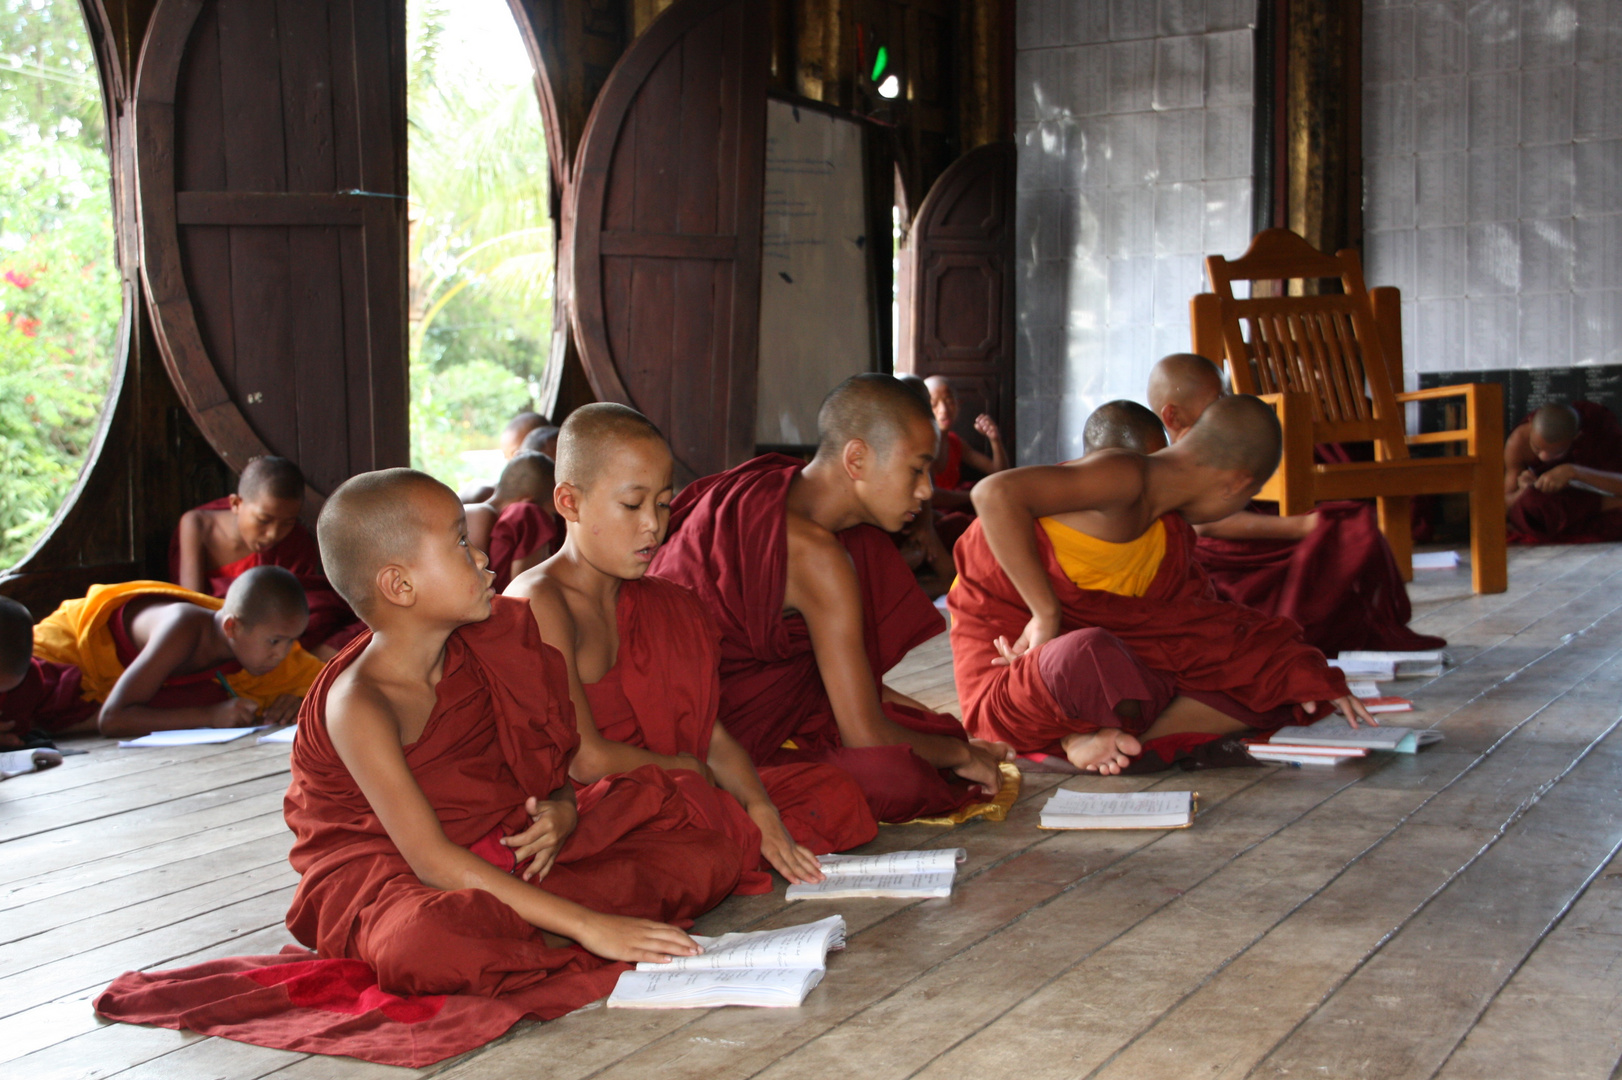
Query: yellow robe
x,y
1123,569
76,633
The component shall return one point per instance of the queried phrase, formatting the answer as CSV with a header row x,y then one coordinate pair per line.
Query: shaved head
x,y
529,475
917,385
543,439
873,407
265,593
1123,425
16,638
1239,433
1183,379
1556,425
270,475
369,522
590,435
517,429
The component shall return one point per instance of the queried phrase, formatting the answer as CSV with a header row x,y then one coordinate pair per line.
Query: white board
x,y
815,298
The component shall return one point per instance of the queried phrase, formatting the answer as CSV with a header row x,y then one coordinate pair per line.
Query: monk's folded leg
x,y
1098,682
897,784
669,876
823,807
423,940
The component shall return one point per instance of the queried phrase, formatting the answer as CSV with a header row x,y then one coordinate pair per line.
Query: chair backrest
x,y
1328,347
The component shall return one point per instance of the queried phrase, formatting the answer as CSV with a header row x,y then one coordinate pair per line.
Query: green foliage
x,y
60,299
481,239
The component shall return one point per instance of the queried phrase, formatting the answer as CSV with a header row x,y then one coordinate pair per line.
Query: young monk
x,y
517,527
159,657
1331,571
1123,425
814,604
37,698
1563,475
436,833
1081,626
259,526
644,658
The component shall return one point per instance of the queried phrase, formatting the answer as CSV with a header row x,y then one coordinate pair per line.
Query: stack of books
x,y
1332,740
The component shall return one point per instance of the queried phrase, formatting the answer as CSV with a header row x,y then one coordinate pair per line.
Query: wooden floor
x,y
1452,914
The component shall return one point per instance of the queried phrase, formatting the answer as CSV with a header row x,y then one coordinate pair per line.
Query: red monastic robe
x,y
728,542
331,621
521,530
48,699
662,694
1341,584
1572,516
1178,628
408,974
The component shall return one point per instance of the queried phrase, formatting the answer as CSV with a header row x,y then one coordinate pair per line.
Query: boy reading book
x,y
644,658
437,835
158,657
815,604
1081,625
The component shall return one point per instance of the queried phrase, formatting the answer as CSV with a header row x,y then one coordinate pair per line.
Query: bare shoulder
x,y
357,708
820,570
812,548
549,603
1519,444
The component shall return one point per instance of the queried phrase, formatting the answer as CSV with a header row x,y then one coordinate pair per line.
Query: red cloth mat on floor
x,y
297,1001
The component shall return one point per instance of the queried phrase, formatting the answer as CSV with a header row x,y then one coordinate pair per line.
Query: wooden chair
x,y
1331,366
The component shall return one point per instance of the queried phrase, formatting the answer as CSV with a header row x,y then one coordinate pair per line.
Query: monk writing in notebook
x,y
1563,475
1331,571
517,527
644,657
436,833
157,657
259,526
815,604
1081,626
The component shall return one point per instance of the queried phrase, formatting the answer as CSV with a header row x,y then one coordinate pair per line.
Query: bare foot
x,y
1106,751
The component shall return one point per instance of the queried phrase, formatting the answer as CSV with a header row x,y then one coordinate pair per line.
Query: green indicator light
x,y
881,60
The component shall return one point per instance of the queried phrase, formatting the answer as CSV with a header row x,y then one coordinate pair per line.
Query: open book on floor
x,y
771,968
1402,665
1068,809
1334,731
904,874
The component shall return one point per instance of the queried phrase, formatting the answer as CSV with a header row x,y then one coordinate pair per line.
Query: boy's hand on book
x,y
1350,707
551,822
1556,478
282,711
615,937
234,712
788,858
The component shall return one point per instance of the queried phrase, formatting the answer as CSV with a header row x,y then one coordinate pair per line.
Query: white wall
x,y
1492,145
1134,129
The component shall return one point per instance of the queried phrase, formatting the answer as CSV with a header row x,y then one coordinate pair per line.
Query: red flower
x,y
29,327
19,279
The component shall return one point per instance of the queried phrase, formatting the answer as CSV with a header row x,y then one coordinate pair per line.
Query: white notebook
x,y
907,874
203,736
1068,809
1335,731
770,968
1405,665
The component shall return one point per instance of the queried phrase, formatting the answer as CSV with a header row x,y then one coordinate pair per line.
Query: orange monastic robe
x,y
88,634
502,730
663,692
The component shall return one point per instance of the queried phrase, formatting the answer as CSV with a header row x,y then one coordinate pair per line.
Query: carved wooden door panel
x,y
270,164
957,294
662,229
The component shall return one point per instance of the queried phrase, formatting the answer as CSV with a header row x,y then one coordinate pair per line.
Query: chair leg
x,y
1397,524
1489,556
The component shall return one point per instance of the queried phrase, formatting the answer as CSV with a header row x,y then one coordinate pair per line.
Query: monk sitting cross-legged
x,y
437,835
1081,626
259,526
1331,571
814,604
157,657
1563,475
517,527
644,657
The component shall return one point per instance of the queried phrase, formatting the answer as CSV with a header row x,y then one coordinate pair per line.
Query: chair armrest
x,y
1437,392
1484,404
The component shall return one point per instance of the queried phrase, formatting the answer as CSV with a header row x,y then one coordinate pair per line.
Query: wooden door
x,y
957,291
270,165
662,229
